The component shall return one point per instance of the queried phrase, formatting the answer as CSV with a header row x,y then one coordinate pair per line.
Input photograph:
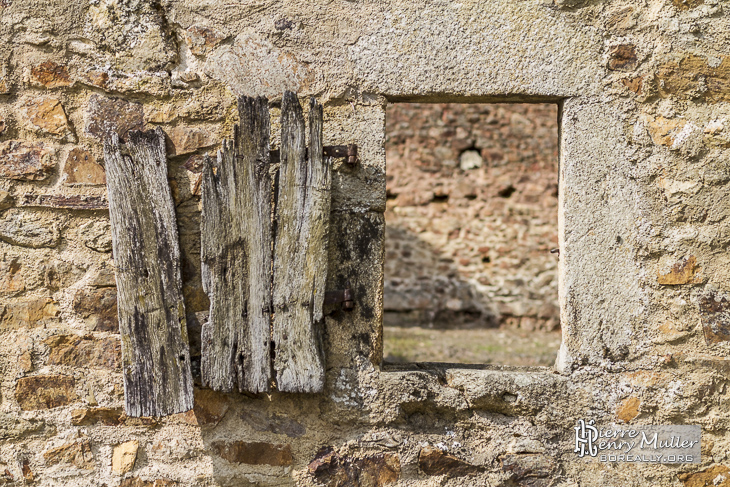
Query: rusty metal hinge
x,y
348,152
343,296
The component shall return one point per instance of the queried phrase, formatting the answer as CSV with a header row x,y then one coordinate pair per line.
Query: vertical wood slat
x,y
156,356
236,256
300,254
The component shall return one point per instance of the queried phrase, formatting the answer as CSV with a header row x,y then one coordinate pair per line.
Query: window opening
x,y
471,218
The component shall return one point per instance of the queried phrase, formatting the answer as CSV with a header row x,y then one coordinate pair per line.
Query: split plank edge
x,y
300,253
236,243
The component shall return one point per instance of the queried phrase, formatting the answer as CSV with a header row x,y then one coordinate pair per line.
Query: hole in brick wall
x,y
471,218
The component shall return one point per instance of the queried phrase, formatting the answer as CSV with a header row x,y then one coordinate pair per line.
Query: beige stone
x,y
28,313
663,131
124,456
46,114
77,454
27,229
160,114
86,351
50,75
98,308
628,409
685,272
105,116
26,161
81,168
184,140
4,80
202,40
45,392
12,280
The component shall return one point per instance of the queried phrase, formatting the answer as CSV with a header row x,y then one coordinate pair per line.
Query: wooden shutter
x,y
156,357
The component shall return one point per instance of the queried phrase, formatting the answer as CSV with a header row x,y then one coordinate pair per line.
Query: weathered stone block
x,y
716,475
528,469
183,140
97,235
105,116
254,453
77,454
47,115
61,274
329,468
687,4
137,482
50,75
26,161
685,272
663,131
104,277
6,200
210,406
137,34
29,313
694,77
434,461
98,308
93,77
622,58
628,409
202,40
85,351
45,392
28,230
12,427
94,416
238,66
81,168
715,317
160,114
260,421
12,279
124,456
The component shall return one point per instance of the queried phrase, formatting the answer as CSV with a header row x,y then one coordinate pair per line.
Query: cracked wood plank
x,y
236,256
156,358
300,254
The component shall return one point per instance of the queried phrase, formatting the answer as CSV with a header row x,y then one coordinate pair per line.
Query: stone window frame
x,y
486,370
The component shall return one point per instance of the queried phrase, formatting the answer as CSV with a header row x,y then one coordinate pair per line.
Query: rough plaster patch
x,y
252,66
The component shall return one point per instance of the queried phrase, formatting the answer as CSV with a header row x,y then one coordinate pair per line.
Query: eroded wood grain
x,y
236,256
156,358
300,255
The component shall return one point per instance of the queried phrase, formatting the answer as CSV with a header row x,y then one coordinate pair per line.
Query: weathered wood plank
x,y
236,256
300,255
156,359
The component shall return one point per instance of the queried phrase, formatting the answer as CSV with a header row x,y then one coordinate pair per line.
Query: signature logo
x,y
586,435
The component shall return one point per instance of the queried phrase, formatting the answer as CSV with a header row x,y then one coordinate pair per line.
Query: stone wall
x,y
472,215
644,90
